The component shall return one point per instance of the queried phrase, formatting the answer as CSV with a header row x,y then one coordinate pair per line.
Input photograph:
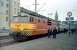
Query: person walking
x,y
54,32
49,31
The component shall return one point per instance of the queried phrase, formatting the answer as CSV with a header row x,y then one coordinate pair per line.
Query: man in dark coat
x,y
49,31
54,32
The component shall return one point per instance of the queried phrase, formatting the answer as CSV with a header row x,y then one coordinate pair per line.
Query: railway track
x,y
6,40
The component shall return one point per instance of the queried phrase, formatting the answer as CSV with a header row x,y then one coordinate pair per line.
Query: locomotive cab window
x,y
20,19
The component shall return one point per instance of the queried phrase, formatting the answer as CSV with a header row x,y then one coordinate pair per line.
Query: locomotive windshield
x,y
19,19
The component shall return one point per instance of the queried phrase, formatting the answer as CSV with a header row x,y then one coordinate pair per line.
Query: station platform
x,y
61,42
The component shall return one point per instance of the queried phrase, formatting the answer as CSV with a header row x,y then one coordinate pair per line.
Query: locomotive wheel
x,y
19,39
18,36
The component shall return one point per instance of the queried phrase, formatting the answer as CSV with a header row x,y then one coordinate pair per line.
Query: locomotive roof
x,y
31,12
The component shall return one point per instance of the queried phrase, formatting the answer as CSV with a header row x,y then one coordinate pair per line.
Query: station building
x,y
8,8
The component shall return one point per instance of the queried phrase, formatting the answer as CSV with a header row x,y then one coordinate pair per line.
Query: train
x,y
24,27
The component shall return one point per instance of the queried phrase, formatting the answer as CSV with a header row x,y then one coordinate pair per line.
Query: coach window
x,y
31,19
43,21
38,20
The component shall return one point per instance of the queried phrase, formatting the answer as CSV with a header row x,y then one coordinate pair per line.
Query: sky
x,y
48,8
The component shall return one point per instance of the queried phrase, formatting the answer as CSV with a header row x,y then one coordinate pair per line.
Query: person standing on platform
x,y
49,31
55,31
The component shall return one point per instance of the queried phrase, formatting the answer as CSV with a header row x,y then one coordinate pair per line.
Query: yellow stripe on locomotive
x,y
26,28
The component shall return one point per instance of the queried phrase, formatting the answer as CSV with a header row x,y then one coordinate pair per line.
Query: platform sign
x,y
69,18
69,13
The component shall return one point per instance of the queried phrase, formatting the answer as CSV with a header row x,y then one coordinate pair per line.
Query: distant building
x,y
8,8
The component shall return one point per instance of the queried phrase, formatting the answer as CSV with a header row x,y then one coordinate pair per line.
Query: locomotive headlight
x,y
16,27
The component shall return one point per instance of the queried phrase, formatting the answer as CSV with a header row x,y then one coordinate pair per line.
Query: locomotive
x,y
24,27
